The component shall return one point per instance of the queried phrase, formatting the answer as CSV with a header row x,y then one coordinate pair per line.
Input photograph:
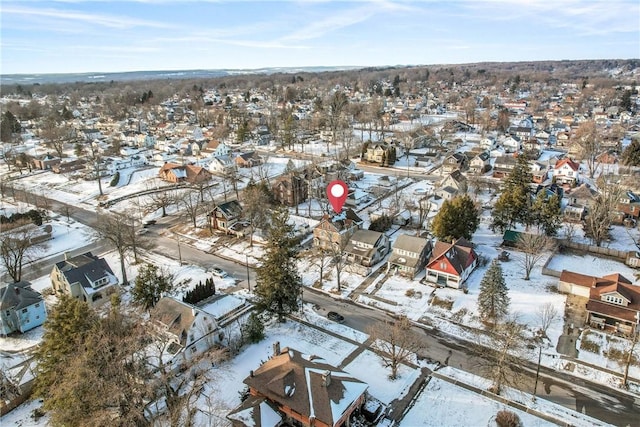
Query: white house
x,y
188,330
566,171
220,165
21,308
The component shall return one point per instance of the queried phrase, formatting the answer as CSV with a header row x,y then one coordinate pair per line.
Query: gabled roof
x,y
176,316
567,161
409,243
368,237
459,253
84,269
230,209
17,296
306,385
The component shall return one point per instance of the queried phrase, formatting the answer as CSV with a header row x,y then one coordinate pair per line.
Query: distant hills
x,y
8,79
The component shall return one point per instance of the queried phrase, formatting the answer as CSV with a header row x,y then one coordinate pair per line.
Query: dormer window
x,y
100,282
614,299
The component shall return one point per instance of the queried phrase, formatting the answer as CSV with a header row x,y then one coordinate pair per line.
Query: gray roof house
x,y
367,247
86,277
409,255
21,308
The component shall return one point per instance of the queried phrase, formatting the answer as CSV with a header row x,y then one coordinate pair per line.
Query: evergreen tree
x,y
278,282
456,218
150,285
631,154
513,205
493,299
546,213
253,329
64,330
9,125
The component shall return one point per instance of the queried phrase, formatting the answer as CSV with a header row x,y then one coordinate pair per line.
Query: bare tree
x,y
56,135
546,315
93,154
233,178
255,209
162,200
395,343
335,111
534,247
321,258
600,216
630,357
117,230
190,202
19,246
501,359
589,145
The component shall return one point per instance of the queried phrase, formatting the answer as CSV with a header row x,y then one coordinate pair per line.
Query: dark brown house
x,y
290,190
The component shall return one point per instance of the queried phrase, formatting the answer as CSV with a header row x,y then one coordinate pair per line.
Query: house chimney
x,y
276,348
326,378
251,373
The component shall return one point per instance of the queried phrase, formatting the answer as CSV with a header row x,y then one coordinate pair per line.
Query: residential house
x,y
451,263
479,164
539,172
89,134
608,157
511,144
628,208
298,390
522,132
69,166
215,149
488,143
21,308
453,162
579,200
381,153
409,255
456,181
225,215
187,330
221,165
86,277
367,247
503,166
290,189
248,160
333,232
46,162
613,302
447,193
175,173
566,171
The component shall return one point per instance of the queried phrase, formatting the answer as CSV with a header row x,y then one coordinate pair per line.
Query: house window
x,y
614,300
24,310
37,305
191,337
443,265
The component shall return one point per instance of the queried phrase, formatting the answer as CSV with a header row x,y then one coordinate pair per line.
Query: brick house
x,y
293,389
290,190
334,231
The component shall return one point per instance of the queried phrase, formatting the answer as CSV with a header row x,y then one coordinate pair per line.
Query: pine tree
x,y
493,299
253,329
456,218
513,205
64,330
278,282
546,213
631,154
150,285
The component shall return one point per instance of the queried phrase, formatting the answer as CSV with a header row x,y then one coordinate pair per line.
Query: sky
x,y
75,36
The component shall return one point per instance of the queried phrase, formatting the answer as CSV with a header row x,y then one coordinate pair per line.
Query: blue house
x,y
21,308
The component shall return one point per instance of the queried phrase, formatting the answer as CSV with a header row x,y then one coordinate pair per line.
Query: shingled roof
x,y
18,296
306,385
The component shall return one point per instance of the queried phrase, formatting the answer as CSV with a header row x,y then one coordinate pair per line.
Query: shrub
x,y
381,224
115,180
410,293
506,418
590,346
444,303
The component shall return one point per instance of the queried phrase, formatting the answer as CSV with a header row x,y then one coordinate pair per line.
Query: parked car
x,y
336,317
217,271
148,223
141,231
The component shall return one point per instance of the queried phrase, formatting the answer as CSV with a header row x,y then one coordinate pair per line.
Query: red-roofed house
x,y
451,263
613,302
300,390
566,171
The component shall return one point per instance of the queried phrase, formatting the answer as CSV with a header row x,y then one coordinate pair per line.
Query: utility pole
x,y
179,250
246,262
535,387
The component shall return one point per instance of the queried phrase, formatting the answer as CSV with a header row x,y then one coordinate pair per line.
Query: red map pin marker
x,y
337,192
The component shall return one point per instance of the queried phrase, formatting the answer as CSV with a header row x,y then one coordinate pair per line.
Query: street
x,y
591,398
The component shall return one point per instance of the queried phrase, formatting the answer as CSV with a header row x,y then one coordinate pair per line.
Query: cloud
x,y
109,21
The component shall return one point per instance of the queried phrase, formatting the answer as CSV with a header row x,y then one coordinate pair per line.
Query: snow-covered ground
x,y
388,293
